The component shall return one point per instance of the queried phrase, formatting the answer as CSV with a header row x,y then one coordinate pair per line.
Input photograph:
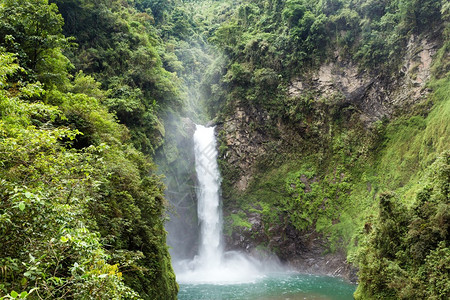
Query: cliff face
x,y
375,96
341,82
250,136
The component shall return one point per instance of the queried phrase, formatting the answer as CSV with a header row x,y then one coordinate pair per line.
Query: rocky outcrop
x,y
244,144
374,95
300,250
309,252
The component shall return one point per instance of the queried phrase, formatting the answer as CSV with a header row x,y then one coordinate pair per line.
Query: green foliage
x,y
7,67
413,142
314,201
289,38
32,29
48,250
159,8
235,221
79,204
409,247
119,48
238,74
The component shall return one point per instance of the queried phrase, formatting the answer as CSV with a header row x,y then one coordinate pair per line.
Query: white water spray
x,y
209,212
212,265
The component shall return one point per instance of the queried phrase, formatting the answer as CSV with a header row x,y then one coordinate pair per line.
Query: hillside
x,y
82,209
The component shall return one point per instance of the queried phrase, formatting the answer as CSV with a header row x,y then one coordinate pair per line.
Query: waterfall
x,y
208,207
213,265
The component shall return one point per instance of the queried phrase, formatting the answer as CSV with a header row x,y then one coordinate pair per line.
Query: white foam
x,y
234,268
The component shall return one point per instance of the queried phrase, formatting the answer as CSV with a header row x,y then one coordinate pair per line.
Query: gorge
x,y
329,154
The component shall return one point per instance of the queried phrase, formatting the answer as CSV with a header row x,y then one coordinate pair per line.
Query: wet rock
x,y
307,252
304,251
189,127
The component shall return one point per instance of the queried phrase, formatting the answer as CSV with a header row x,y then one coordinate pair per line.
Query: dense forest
x,y
82,209
332,117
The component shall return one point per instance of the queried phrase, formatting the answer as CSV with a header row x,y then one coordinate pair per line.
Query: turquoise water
x,y
273,287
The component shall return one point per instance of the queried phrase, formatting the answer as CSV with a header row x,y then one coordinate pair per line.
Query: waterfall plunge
x,y
209,212
212,265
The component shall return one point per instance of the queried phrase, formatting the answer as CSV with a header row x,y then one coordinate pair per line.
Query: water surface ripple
x,y
284,286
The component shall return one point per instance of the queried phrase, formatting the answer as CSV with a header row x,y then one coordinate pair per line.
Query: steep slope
x,y
82,211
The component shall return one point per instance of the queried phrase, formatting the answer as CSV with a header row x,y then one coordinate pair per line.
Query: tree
x,y
158,7
33,30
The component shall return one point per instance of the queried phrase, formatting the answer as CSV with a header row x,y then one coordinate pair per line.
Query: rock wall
x,y
374,96
245,143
